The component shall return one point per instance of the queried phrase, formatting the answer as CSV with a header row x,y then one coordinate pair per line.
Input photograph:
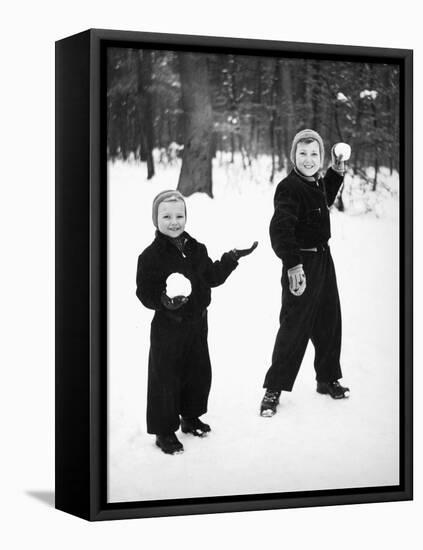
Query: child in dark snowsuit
x,y
299,233
179,370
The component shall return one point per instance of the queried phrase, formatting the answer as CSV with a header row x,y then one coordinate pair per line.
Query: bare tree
x,y
288,114
196,170
145,107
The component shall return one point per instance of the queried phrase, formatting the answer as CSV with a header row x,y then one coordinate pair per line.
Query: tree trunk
x,y
145,108
376,161
272,144
196,171
288,115
376,137
309,85
316,98
246,159
232,140
338,126
273,116
280,145
257,101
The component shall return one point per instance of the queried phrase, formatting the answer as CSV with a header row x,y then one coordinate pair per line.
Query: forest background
x,y
202,106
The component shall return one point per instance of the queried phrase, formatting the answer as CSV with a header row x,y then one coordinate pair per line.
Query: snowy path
x,y
313,442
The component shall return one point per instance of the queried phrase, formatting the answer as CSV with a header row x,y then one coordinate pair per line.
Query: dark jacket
x,y
301,217
162,258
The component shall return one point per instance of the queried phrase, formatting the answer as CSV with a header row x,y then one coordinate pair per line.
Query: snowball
x,y
342,149
178,285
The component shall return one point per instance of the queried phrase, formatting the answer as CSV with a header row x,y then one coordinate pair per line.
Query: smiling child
x,y
299,233
179,370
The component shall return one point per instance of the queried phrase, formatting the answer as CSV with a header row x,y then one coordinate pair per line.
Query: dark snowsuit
x,y
179,370
301,221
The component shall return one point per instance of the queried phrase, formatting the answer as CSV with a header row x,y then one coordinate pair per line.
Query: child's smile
x,y
307,158
171,218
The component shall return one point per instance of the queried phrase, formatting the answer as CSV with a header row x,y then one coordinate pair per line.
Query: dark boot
x,y
194,426
334,389
269,403
169,443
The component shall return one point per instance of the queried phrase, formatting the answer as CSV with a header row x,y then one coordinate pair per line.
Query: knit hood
x,y
166,196
307,134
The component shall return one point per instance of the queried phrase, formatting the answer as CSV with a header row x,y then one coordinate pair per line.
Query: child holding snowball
x,y
299,233
174,277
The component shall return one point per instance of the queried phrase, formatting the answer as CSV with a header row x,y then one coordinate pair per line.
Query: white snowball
x,y
178,285
343,149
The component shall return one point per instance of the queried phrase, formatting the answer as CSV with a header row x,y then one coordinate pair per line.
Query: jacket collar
x,y
315,182
164,240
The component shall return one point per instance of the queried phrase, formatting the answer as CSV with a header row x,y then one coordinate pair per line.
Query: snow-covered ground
x,y
313,442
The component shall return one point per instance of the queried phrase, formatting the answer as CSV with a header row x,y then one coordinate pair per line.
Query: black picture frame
x,y
81,277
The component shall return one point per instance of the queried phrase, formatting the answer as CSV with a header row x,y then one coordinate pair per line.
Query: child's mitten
x,y
340,154
297,280
236,253
173,303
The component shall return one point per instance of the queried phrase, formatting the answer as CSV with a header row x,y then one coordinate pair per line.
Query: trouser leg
x,y
296,321
326,331
164,380
288,352
196,379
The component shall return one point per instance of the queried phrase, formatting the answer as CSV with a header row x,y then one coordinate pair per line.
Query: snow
x,y
313,442
370,94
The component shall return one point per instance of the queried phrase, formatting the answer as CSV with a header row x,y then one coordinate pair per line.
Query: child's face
x,y
307,158
171,218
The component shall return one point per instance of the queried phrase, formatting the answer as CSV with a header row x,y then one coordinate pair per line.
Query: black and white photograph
x,y
253,273
210,251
